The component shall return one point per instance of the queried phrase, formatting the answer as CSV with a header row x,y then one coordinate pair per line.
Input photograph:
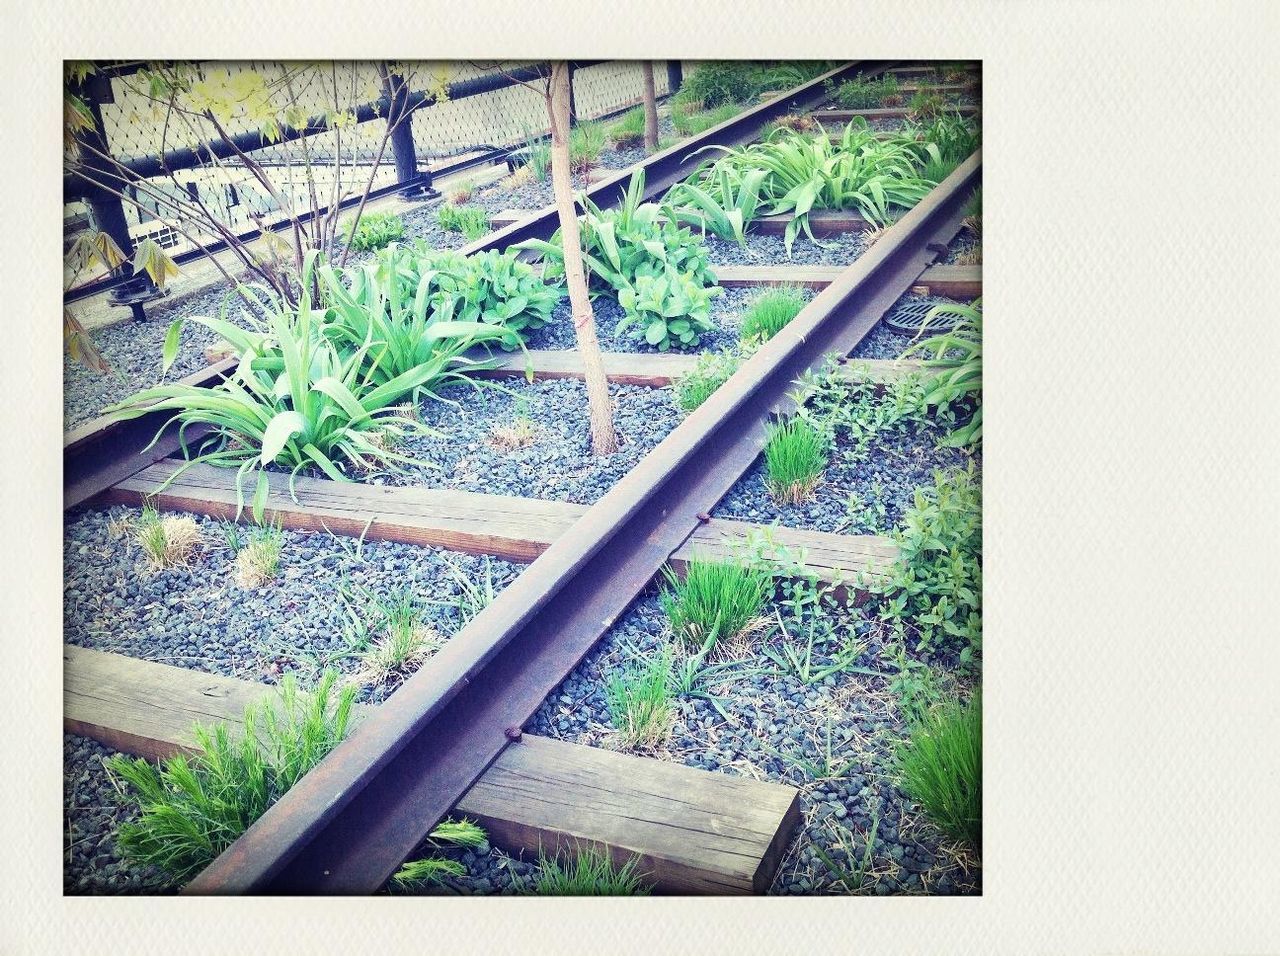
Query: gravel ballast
x,y
198,617
773,727
556,463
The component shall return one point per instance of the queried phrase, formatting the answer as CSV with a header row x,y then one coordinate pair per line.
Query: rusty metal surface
x,y
347,825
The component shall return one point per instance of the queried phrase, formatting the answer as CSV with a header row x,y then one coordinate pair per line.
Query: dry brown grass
x,y
971,256
460,193
793,492
519,434
168,542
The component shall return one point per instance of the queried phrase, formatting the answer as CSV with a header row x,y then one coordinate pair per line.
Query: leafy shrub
x,y
587,871
942,769
955,358
863,93
715,83
639,699
194,807
724,204
696,386
471,221
586,143
795,457
770,312
949,138
629,129
715,600
491,287
935,586
375,230
659,271
296,399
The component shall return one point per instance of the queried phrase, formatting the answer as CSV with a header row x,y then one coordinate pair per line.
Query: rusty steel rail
x,y
104,452
347,825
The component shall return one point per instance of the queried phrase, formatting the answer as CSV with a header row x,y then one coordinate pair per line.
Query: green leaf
x,y
281,428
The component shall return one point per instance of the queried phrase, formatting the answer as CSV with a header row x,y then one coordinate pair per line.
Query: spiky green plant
x,y
471,221
639,698
714,600
712,370
538,151
942,769
699,121
955,359
795,457
295,400
769,313
628,130
586,143
586,871
191,808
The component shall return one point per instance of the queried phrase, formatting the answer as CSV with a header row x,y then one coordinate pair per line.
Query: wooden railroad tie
x,y
694,831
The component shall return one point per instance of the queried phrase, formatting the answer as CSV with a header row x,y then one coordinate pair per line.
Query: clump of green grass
x,y
629,129
714,601
795,457
194,807
770,312
586,871
942,769
401,639
712,370
586,143
639,700
169,541
691,124
862,93
258,560
926,105
471,221
375,230
538,151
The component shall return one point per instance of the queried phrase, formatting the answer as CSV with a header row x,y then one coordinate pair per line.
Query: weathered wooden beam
x,y
694,831
957,282
516,529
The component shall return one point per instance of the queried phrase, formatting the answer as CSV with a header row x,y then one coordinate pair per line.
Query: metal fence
x,y
487,112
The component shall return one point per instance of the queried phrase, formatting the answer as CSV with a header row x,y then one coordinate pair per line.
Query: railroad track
x,y
449,737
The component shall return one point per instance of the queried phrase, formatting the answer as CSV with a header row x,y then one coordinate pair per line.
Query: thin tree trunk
x,y
650,107
603,439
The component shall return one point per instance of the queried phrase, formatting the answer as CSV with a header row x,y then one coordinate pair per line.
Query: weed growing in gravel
x,y
970,256
258,560
926,105
955,359
629,129
935,586
942,769
715,600
401,641
973,214
852,880
697,385
640,702
471,221
194,807
168,542
460,192
375,230
796,122
429,870
770,311
585,871
586,143
691,124
795,456
475,591
520,433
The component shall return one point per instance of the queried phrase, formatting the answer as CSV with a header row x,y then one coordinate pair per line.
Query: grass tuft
x,y
586,143
640,702
194,807
942,770
795,458
714,601
769,312
258,560
629,129
169,541
402,643
461,192
586,871
519,434
471,221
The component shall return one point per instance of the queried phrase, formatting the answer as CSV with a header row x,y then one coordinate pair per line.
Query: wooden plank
x,y
824,222
957,282
517,529
655,369
695,831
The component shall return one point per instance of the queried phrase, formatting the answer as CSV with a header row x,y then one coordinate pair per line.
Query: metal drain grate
x,y
910,317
